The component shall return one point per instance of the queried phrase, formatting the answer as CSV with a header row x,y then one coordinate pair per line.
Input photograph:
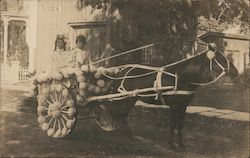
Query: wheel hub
x,y
55,109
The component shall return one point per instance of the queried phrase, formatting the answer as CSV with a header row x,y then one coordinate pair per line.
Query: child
x,y
59,58
78,55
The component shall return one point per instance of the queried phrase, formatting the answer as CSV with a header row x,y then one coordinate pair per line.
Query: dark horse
x,y
201,69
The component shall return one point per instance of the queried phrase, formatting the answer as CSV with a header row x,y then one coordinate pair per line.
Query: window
x,y
246,60
148,52
17,46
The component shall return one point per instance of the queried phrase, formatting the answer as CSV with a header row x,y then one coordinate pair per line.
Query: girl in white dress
x,y
59,58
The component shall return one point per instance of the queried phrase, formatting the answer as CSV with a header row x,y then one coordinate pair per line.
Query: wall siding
x,y
53,18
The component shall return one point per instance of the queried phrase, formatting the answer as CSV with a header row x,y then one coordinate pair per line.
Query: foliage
x,y
218,15
3,6
211,24
214,15
140,22
11,5
174,23
19,51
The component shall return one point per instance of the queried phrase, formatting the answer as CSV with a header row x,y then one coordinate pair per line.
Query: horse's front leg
x,y
172,126
179,125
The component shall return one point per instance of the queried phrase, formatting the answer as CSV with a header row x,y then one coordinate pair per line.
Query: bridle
x,y
223,72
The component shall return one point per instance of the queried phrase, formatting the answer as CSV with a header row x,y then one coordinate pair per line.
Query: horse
x,y
183,76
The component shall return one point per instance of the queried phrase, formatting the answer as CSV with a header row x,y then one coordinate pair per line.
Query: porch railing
x,y
23,75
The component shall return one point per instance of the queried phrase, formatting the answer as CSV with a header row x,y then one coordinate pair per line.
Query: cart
x,y
61,92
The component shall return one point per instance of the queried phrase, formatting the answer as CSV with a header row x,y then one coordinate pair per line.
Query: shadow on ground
x,y
204,136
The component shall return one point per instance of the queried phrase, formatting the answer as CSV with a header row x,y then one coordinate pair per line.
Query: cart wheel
x,y
56,111
105,119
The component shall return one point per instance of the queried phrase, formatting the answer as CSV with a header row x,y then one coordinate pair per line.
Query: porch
x,y
16,50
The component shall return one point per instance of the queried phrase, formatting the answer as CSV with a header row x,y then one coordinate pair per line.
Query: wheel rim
x,y
105,120
56,111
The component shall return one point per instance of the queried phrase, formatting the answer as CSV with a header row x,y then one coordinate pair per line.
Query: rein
x,y
123,53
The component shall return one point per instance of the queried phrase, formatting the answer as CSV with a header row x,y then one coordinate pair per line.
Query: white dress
x,y
77,56
59,59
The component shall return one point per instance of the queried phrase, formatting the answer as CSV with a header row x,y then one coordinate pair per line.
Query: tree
x,y
219,15
3,6
140,22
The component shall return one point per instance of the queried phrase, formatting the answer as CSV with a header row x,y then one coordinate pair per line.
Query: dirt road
x,y
205,136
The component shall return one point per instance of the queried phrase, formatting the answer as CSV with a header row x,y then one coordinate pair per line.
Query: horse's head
x,y
205,68
219,64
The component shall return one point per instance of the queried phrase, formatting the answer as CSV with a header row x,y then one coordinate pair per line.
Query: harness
x,y
158,90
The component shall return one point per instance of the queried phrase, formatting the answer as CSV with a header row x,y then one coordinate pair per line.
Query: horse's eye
x,y
210,54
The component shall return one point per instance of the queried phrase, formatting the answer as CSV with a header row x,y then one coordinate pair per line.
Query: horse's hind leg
x,y
120,111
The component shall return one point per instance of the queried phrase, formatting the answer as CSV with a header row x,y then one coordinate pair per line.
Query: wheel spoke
x,y
51,96
49,102
54,126
64,125
60,97
47,116
59,123
65,112
64,100
65,107
50,121
65,117
56,96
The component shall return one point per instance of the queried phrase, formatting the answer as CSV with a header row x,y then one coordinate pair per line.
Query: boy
x,y
78,55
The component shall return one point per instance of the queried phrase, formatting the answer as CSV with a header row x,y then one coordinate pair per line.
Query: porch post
x,y
5,39
29,42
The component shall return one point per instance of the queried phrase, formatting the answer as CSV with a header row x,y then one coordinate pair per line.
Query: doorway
x,y
97,38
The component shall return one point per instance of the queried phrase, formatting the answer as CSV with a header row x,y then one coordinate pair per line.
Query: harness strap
x,y
211,65
179,92
158,84
121,87
228,61
217,78
163,100
208,83
223,69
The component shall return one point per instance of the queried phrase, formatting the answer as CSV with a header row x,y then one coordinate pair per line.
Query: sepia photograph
x,y
125,78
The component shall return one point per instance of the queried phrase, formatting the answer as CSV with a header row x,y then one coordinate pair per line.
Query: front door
x,y
97,38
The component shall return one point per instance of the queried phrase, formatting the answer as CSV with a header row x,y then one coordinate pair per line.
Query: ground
x,y
216,125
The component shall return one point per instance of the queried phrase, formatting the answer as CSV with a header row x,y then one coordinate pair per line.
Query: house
x,y
18,24
106,30
235,47
38,23
63,17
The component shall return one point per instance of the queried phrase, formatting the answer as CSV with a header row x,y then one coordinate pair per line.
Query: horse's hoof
x,y
181,147
172,146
